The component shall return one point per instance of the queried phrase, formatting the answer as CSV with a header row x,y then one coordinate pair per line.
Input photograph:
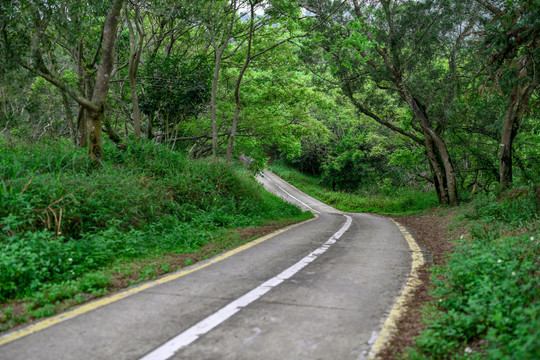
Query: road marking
x,y
43,324
187,337
390,325
295,198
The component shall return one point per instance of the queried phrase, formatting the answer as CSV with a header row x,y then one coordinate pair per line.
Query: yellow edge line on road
x,y
390,325
43,324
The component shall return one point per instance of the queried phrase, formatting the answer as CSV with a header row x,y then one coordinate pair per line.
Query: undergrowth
x,y
487,294
62,219
383,199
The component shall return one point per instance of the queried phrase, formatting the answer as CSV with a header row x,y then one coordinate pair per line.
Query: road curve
x,y
320,290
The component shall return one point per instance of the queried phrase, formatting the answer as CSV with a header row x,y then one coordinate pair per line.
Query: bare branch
x,y
495,10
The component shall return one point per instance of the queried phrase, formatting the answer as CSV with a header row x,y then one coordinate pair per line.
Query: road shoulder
x,y
432,234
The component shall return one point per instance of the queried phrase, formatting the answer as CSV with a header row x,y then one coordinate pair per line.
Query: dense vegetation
x,y
385,106
64,220
383,198
486,294
434,94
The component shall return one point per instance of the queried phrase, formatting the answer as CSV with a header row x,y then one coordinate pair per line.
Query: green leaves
x,y
175,87
344,46
145,200
486,295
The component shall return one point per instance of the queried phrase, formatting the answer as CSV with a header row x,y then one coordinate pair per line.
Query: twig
x,y
27,185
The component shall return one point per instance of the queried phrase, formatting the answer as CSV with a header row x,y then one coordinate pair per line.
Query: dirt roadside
x,y
431,232
136,271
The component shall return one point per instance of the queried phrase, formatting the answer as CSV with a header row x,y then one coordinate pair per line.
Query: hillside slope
x,y
70,232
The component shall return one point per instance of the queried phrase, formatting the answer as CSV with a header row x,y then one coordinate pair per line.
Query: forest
x,y
424,94
124,119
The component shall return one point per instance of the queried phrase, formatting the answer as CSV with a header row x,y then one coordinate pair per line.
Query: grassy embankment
x,y
70,233
383,200
487,295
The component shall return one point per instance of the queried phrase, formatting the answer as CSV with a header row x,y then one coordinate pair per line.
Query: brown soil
x,y
431,232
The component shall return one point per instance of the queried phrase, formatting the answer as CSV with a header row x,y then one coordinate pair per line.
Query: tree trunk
x,y
439,175
93,108
135,103
94,135
219,50
449,185
517,104
230,145
102,82
436,165
436,184
237,88
213,104
134,58
110,131
69,119
82,130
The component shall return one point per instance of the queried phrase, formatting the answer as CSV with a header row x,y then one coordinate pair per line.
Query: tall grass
x,y
61,217
383,199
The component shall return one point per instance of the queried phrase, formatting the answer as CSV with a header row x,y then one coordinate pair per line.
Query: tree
x,y
175,88
219,21
44,21
511,45
135,52
390,54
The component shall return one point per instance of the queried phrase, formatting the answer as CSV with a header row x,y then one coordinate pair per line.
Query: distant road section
x,y
320,290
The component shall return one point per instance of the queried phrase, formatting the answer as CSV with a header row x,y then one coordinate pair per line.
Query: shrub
x,y
61,218
487,294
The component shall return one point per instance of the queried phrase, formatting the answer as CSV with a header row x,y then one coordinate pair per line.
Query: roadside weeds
x,y
22,311
431,233
479,298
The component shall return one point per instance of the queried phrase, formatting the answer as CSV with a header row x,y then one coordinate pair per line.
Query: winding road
x,y
318,290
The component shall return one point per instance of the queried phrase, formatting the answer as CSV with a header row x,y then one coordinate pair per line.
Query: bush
x,y
509,210
487,294
385,198
61,218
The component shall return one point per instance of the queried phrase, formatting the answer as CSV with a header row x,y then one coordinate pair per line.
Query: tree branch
x,y
348,91
495,10
58,83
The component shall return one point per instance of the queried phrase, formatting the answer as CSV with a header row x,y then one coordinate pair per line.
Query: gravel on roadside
x,y
431,232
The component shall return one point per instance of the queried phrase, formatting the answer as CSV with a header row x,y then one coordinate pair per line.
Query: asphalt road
x,y
320,290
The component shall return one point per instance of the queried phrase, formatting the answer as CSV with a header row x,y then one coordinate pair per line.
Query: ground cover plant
x,y
486,295
67,226
383,198
486,291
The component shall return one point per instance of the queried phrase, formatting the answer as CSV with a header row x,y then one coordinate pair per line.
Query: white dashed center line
x,y
185,338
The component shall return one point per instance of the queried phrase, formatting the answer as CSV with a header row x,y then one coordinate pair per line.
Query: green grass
x,y
383,199
63,220
487,295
